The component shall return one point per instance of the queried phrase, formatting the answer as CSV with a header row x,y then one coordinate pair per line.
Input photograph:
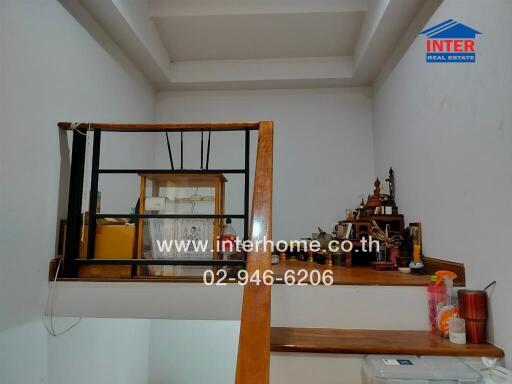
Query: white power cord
x,y
49,305
493,373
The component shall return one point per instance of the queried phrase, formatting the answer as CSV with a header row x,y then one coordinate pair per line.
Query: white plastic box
x,y
378,369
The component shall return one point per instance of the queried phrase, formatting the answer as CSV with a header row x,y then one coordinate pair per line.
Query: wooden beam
x,y
365,341
253,361
162,127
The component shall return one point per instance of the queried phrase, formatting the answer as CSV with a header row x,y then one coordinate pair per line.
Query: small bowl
x,y
405,270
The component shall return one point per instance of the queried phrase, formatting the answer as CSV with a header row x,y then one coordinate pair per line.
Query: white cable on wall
x,y
49,306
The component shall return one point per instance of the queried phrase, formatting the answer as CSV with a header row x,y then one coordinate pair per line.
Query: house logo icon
x,y
450,42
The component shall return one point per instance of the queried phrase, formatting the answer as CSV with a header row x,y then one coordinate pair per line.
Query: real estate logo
x,y
450,42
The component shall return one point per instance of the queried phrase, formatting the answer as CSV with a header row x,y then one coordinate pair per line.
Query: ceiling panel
x,y
231,37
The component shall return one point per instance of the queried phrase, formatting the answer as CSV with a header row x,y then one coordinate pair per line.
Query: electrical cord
x,y
490,285
49,306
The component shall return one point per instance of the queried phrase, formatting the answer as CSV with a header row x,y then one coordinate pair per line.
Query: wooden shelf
x,y
341,275
353,276
362,342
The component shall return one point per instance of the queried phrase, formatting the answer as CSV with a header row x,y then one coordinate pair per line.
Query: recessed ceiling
x,y
254,44
242,37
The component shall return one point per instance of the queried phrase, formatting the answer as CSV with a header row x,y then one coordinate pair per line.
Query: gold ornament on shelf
x,y
383,236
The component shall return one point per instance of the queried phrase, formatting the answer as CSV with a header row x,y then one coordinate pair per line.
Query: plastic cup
x,y
457,330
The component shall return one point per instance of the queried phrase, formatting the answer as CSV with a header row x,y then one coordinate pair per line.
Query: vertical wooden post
x,y
253,363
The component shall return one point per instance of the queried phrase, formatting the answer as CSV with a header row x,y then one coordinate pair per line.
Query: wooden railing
x,y
254,343
162,127
126,267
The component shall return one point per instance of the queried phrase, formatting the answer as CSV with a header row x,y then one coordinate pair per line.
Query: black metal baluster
x,y
93,198
202,150
181,152
74,219
169,149
246,184
208,149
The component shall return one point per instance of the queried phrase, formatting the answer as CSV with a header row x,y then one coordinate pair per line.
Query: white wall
x,y
97,350
23,354
103,351
130,351
447,131
190,352
51,69
323,154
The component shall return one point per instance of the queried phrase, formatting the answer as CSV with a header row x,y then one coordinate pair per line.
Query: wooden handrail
x,y
253,361
161,127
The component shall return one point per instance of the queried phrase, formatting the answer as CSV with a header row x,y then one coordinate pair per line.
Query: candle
x,y
416,253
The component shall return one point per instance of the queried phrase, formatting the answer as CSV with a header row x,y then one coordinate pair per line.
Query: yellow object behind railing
x,y
113,241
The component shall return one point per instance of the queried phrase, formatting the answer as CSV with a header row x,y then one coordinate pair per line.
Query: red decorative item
x,y
473,308
393,254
